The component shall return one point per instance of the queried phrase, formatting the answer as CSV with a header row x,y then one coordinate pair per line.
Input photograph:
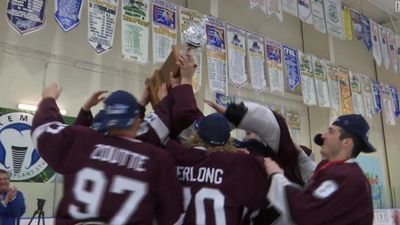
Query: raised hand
x,y
175,81
187,67
217,107
162,91
52,91
11,193
145,99
271,166
93,100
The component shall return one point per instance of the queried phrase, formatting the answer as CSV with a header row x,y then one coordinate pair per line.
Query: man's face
x,y
332,144
4,182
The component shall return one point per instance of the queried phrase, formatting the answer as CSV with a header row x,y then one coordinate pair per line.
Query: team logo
x,y
333,13
17,153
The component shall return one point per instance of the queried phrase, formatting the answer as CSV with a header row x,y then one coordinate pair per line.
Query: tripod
x,y
39,212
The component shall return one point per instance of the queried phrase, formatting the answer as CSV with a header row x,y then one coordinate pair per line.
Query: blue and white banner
x,y
305,14
256,61
236,44
388,106
366,27
383,39
395,98
101,24
273,55
392,49
397,41
68,13
224,100
358,32
317,7
376,91
292,67
376,50
26,16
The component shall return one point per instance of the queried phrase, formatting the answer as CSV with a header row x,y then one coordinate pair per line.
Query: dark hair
x,y
358,145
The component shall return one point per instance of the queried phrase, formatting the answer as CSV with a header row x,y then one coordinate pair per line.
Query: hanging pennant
x,y
307,79
275,66
368,98
236,43
376,91
101,22
262,4
376,47
397,41
68,13
135,30
334,88
384,46
321,82
224,100
216,55
292,66
186,15
356,94
395,98
366,26
392,49
345,92
317,7
293,120
356,22
274,7
255,57
334,18
290,6
348,31
305,14
387,104
164,29
26,16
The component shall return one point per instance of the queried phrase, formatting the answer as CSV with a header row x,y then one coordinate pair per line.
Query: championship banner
x,y
101,24
216,55
307,79
348,31
236,43
356,22
376,46
376,91
334,88
186,15
397,40
334,18
293,121
26,16
368,98
384,47
321,82
135,21
17,153
255,57
387,104
262,4
366,26
290,6
164,29
317,7
305,13
275,67
345,92
275,7
356,94
292,66
395,98
68,13
224,100
392,50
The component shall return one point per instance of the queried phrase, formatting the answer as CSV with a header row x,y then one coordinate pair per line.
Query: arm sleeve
x,y
261,120
17,206
306,165
169,193
84,118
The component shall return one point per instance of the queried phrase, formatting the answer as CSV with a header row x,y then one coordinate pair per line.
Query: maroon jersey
x,y
114,180
338,194
220,188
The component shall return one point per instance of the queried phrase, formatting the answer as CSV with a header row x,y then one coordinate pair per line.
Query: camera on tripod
x,y
40,203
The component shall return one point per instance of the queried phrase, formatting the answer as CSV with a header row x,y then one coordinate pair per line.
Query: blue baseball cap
x,y
354,124
97,122
214,129
120,109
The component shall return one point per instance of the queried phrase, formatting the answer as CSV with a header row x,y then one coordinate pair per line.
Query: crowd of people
x,y
178,166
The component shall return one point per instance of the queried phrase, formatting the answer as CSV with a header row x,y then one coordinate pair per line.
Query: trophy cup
x,y
194,36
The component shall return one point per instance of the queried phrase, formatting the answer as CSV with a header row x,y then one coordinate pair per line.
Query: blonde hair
x,y
195,141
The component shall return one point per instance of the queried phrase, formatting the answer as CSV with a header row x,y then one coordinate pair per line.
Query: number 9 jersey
x,y
109,180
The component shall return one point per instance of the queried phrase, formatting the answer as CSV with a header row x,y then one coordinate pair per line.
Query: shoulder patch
x,y
326,189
